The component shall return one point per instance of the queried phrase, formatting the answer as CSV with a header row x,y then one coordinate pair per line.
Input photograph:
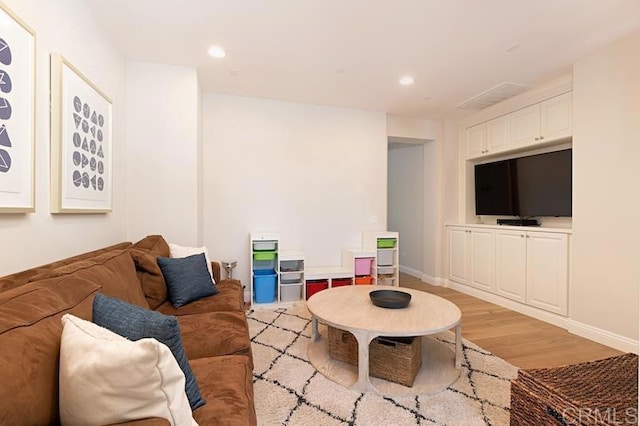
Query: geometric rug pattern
x,y
290,391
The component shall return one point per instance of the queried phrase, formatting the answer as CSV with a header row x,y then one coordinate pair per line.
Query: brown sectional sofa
x,y
214,331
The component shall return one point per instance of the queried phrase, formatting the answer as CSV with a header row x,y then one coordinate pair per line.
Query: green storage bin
x,y
386,242
264,255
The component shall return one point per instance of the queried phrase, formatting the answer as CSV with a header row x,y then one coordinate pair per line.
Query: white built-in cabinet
x,y
547,271
511,265
471,257
530,267
543,122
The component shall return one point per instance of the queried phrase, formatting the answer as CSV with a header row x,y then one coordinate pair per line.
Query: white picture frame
x,y
17,113
81,173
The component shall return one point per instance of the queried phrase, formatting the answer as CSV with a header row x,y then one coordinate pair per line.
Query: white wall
x,y
431,207
405,195
315,175
67,27
411,128
605,255
162,152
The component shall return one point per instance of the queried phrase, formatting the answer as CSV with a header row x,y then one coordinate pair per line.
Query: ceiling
x,y
351,53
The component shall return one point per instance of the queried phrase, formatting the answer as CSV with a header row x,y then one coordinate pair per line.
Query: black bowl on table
x,y
390,299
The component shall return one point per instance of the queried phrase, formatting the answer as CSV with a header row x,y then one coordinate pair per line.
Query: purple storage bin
x,y
363,266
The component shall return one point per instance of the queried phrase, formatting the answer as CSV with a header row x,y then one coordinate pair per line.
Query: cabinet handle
x,y
521,235
541,137
537,139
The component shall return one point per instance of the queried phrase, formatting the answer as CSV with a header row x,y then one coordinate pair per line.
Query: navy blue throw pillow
x,y
187,278
137,323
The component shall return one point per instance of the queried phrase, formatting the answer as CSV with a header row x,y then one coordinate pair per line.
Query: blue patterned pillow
x,y
187,278
137,323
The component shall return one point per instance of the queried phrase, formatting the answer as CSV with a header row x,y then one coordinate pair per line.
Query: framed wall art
x,y
80,142
17,113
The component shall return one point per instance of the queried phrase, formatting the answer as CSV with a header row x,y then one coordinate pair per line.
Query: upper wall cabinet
x,y
489,137
477,140
547,121
544,122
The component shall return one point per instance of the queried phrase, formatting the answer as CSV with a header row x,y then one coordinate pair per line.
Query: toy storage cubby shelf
x,y
292,275
385,245
264,268
280,276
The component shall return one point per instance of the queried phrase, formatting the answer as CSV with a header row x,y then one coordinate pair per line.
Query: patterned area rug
x,y
289,390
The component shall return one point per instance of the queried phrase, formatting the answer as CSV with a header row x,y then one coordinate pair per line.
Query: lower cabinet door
x,y
547,271
511,258
482,259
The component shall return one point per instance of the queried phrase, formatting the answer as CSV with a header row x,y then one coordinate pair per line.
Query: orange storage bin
x,y
315,286
339,282
368,279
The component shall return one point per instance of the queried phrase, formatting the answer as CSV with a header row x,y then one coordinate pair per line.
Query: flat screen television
x,y
537,185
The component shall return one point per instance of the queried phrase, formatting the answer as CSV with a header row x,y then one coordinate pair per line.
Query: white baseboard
x,y
604,337
554,319
411,271
428,279
432,280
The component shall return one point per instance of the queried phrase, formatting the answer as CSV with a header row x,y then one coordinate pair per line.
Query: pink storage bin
x,y
363,266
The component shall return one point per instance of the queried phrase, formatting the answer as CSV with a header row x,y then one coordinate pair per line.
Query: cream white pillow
x,y
180,251
105,378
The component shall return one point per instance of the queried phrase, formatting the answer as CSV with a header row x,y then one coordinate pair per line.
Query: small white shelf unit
x,y
291,276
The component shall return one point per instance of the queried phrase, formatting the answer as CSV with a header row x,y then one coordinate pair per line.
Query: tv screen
x,y
537,185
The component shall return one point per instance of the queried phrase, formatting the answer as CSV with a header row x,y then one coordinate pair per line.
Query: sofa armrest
x,y
215,268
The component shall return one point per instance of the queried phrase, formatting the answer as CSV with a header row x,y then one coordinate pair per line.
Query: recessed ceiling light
x,y
217,52
407,80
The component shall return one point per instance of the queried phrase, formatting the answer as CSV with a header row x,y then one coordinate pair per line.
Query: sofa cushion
x,y
187,279
153,244
105,378
214,334
229,298
177,251
114,271
227,383
23,277
150,277
144,254
136,323
30,331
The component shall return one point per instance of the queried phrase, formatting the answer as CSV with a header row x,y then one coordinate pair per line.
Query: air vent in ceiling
x,y
492,96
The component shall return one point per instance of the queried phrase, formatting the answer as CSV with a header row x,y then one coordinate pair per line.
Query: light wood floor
x,y
521,340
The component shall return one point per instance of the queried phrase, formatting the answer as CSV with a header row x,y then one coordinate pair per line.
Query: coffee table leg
x,y
459,346
314,329
363,384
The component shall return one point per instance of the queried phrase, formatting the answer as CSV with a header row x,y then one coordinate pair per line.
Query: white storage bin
x,y
291,265
386,270
290,277
264,245
385,257
291,292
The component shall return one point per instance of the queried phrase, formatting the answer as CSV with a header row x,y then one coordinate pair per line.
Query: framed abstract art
x,y
17,113
80,142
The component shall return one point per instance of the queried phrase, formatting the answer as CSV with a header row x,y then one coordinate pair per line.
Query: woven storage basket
x,y
603,392
396,359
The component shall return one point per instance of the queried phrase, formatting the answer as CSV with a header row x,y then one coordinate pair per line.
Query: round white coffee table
x,y
349,308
